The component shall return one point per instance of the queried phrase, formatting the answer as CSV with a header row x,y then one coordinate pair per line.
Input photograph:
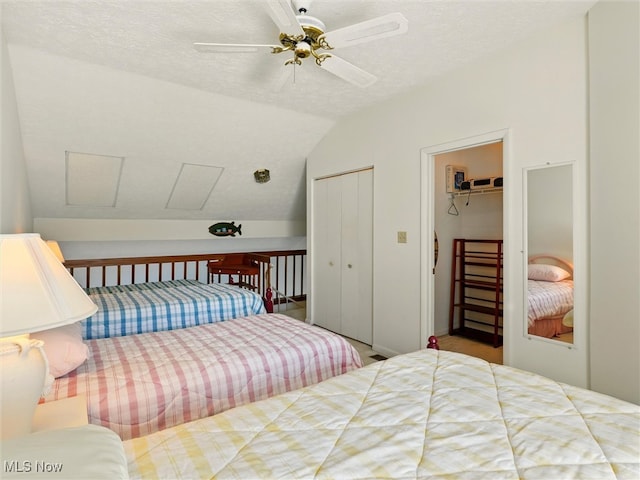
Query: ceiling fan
x,y
304,36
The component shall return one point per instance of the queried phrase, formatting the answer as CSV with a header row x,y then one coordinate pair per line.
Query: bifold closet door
x,y
357,254
326,253
343,254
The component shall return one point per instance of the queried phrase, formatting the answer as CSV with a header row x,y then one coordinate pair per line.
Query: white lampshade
x,y
36,290
55,248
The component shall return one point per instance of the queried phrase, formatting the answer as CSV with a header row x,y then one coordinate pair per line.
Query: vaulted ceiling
x,y
122,118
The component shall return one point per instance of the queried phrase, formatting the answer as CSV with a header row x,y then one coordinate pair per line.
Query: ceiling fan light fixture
x,y
303,49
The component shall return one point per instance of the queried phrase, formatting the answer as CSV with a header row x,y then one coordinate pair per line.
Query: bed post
x,y
433,343
268,300
268,293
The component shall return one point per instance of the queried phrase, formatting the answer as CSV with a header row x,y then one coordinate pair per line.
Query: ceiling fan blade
x,y
285,77
231,47
348,71
374,29
284,16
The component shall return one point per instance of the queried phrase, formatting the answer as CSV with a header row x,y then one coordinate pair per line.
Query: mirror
x,y
549,252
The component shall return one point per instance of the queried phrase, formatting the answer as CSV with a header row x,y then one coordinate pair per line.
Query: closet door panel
x,y
343,255
357,242
326,256
350,265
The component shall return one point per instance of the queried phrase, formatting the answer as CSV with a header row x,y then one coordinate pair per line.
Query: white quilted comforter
x,y
427,414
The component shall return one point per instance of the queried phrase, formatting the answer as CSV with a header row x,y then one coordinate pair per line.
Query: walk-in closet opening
x,y
463,224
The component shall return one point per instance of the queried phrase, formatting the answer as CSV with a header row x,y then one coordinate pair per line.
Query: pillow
x,y
547,273
567,320
64,348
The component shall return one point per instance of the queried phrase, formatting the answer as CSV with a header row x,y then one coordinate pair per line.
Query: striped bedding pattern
x,y
138,384
158,306
424,415
548,299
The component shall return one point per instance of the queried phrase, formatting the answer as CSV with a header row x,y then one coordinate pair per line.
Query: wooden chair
x,y
248,268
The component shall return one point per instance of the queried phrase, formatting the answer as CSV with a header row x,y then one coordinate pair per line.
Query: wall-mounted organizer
x,y
475,306
480,185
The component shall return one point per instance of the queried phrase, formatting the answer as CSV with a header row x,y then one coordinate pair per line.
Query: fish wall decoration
x,y
225,229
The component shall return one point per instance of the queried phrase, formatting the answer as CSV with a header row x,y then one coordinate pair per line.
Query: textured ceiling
x,y
121,78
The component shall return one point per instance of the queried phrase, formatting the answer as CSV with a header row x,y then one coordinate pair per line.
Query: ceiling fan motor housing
x,y
313,28
311,25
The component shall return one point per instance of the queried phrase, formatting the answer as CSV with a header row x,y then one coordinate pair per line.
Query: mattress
x,y
157,306
427,414
548,299
139,384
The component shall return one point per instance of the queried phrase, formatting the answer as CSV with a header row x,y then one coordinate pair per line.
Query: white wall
x,y
536,90
614,49
15,206
93,238
73,250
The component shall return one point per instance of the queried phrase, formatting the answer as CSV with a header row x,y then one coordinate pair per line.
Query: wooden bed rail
x,y
98,272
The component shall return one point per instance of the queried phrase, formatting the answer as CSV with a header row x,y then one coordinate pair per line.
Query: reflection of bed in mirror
x,y
550,296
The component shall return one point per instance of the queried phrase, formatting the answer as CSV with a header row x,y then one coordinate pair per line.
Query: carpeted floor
x,y
446,342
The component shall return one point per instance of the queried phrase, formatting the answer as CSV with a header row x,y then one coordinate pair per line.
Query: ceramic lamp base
x,y
23,369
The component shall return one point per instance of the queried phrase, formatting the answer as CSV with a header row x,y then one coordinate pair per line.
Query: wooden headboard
x,y
552,260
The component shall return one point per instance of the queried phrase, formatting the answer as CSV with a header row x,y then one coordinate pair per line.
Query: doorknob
x,y
349,265
331,264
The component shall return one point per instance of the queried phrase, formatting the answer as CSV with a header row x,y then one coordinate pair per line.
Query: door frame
x,y
427,224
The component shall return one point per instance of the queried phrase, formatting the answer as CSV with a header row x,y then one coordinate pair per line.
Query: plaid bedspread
x,y
424,415
158,306
138,384
548,299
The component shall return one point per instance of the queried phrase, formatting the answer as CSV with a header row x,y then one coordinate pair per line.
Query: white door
x,y
357,254
326,253
343,254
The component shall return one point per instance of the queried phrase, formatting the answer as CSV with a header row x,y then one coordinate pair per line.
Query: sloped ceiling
x,y
121,80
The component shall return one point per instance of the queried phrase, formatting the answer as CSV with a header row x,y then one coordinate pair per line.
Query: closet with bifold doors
x,y
342,244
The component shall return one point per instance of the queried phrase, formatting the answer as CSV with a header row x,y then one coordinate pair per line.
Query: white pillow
x,y
547,273
64,348
88,452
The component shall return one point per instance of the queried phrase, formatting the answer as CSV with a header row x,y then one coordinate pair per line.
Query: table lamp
x,y
55,248
36,293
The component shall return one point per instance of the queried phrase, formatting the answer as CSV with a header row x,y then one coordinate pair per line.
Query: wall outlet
x,y
402,237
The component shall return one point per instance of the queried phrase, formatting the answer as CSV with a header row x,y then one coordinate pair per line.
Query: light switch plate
x,y
402,237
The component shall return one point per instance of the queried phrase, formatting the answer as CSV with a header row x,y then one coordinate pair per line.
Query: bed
x,y
139,384
427,414
168,305
146,294
549,296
